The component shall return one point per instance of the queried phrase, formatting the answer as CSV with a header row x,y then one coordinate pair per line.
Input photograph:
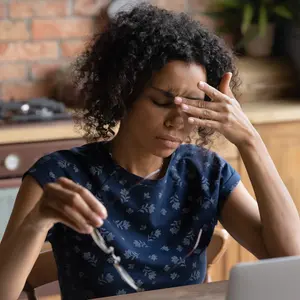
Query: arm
x,y
270,227
22,241
36,210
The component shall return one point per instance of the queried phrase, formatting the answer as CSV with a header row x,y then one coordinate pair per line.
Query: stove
x,y
35,110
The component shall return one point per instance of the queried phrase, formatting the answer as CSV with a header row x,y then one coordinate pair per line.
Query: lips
x,y
170,138
169,141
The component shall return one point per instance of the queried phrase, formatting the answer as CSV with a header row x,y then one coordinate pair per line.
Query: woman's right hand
x,y
71,204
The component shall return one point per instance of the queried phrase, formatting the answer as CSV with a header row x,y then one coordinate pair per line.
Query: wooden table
x,y
208,291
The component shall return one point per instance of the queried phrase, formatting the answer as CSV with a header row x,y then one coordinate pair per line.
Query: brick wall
x,y
39,36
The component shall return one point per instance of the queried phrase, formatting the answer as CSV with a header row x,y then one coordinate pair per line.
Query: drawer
x,y
16,159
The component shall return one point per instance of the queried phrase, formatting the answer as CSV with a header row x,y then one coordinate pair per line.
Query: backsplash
x,y
39,36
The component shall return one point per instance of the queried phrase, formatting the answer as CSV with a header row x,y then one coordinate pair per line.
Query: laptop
x,y
268,279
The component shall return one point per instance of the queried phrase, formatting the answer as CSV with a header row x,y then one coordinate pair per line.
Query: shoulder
x,y
65,163
211,173
85,152
200,157
206,164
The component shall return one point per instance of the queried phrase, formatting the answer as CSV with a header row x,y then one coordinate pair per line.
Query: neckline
x,y
128,176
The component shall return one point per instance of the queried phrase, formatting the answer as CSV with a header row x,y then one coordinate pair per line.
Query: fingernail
x,y
184,107
97,220
201,84
178,100
191,120
104,214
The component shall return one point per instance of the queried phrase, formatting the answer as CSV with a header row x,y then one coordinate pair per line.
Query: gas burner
x,y
35,110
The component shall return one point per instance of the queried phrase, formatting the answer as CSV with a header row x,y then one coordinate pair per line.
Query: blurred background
x,y
40,38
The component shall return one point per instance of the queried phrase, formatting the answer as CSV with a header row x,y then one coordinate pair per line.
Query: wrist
x,y
251,143
37,222
254,152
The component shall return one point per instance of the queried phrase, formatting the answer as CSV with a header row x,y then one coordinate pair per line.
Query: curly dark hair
x,y
120,60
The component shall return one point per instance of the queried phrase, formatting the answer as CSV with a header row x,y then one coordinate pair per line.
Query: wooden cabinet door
x,y
283,143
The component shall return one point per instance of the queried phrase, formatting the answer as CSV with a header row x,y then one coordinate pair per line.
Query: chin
x,y
164,153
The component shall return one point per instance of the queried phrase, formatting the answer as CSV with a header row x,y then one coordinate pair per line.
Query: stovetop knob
x,y
12,162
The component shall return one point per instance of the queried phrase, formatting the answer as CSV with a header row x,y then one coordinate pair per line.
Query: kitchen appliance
x,y
17,158
35,110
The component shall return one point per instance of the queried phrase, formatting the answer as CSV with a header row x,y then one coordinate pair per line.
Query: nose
x,y
175,120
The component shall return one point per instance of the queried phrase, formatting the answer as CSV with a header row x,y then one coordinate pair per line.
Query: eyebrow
x,y
169,94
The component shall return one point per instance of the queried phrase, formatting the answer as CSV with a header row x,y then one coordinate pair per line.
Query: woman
x,y
163,77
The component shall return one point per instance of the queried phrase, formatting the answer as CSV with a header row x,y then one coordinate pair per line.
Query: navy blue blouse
x,y
152,224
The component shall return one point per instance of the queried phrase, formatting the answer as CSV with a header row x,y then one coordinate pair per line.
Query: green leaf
x,y
229,3
250,35
225,5
262,20
283,12
223,30
213,14
248,14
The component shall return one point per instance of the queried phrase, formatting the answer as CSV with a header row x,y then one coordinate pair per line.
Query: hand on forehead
x,y
189,97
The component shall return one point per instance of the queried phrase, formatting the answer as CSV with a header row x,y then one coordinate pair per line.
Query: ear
x,y
225,84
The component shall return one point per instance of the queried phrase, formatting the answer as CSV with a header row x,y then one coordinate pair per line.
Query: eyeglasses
x,y
99,241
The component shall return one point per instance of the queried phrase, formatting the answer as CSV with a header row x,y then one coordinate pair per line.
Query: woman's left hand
x,y
223,113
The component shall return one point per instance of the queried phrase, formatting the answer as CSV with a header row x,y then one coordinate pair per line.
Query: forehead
x,y
181,77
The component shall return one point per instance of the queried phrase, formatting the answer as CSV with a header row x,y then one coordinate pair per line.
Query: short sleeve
x,y
46,170
229,179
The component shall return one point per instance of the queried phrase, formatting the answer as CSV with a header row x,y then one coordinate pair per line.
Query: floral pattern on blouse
x,y
152,224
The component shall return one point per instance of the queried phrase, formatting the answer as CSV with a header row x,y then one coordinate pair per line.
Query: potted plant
x,y
254,20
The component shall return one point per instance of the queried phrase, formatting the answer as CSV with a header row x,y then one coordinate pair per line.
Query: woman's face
x,y
155,123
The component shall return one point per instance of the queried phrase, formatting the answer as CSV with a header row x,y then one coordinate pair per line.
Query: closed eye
x,y
168,104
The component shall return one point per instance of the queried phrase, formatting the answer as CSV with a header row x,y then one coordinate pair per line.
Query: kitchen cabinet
x,y
15,160
283,142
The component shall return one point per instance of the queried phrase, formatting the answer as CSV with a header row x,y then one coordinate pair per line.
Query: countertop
x,y
265,112
206,291
258,113
35,132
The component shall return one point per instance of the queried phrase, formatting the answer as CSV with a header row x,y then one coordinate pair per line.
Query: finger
x,y
196,103
205,123
96,206
213,93
69,216
59,216
201,112
217,107
73,219
66,198
225,84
